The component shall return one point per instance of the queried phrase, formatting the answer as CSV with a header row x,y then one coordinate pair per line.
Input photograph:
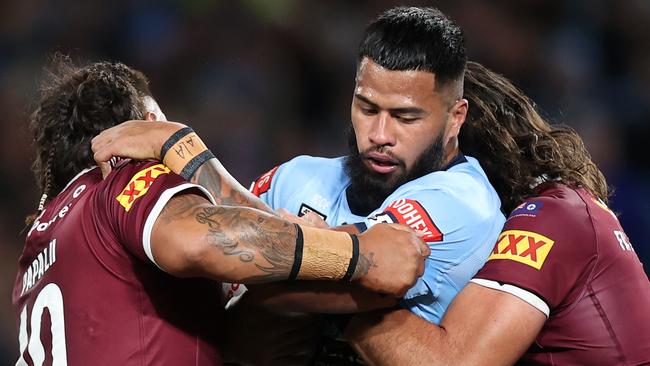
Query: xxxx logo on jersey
x,y
139,185
522,246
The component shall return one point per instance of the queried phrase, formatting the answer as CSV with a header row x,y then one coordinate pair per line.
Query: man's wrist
x,y
324,254
161,133
174,139
184,152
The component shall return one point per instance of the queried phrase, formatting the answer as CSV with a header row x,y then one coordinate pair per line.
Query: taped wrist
x,y
324,254
184,152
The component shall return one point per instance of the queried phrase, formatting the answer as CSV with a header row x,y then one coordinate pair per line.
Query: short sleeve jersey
x,y
565,253
457,208
88,291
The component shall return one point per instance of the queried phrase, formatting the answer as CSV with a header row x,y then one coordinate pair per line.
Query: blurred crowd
x,y
264,80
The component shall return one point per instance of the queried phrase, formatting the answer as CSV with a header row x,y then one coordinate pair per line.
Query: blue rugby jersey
x,y
457,208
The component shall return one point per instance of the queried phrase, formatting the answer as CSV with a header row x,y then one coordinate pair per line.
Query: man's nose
x,y
382,132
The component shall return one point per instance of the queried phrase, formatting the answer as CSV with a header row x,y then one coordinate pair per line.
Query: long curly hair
x,y
517,148
75,105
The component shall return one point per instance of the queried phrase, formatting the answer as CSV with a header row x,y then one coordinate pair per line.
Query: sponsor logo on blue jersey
x,y
305,208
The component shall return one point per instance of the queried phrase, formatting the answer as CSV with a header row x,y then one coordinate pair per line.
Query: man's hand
x,y
139,140
391,259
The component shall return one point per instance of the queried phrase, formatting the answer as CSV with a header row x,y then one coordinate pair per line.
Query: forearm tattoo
x,y
252,236
246,233
209,176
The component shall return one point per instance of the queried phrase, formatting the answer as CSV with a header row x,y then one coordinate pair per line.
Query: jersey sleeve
x,y
541,253
135,196
460,238
280,185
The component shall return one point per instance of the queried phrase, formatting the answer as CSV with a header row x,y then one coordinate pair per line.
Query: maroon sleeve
x,y
134,196
544,248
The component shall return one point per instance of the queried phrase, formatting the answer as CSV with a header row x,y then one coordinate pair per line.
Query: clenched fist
x,y
391,259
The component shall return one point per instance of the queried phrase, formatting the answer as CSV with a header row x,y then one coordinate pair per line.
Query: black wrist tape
x,y
354,260
174,139
297,256
195,163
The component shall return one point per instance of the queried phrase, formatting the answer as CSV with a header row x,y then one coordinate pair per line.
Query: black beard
x,y
369,189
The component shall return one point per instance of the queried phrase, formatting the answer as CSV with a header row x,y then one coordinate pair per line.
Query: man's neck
x,y
451,152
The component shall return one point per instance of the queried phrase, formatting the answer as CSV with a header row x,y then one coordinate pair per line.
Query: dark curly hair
x,y
76,104
516,146
410,38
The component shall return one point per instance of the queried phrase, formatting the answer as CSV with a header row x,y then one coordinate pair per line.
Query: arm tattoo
x,y
247,234
252,236
225,189
363,265
180,207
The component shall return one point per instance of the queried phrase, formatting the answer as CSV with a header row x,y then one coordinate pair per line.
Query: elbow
x,y
194,258
185,260
206,260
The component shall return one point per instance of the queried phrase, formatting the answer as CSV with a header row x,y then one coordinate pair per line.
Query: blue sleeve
x,y
460,231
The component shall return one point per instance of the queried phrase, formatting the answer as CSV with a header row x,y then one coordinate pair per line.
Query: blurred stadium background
x,y
265,80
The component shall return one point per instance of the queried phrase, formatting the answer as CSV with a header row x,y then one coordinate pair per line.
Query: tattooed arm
x,y
225,189
243,244
143,140
320,297
193,238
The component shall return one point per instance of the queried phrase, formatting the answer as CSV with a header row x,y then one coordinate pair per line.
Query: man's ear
x,y
150,116
457,115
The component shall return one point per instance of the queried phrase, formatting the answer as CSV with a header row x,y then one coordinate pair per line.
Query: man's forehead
x,y
410,86
370,71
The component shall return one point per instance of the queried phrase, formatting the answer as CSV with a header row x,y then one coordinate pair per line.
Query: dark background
x,y
265,80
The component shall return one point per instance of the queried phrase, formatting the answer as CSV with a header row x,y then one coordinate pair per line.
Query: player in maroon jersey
x,y
563,285
109,271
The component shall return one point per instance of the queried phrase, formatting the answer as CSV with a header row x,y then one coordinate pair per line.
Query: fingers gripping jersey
x,y
456,209
88,291
565,253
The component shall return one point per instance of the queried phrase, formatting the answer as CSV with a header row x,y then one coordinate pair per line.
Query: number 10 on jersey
x,y
49,297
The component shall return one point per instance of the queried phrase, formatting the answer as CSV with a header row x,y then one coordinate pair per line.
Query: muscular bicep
x,y
483,326
193,238
493,327
176,235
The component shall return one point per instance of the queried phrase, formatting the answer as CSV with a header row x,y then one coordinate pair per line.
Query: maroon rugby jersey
x,y
88,292
565,253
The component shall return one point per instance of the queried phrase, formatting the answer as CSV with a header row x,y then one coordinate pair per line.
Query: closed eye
x,y
369,111
407,119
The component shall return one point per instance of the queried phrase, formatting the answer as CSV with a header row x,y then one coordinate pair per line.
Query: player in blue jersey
x,y
563,285
405,165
